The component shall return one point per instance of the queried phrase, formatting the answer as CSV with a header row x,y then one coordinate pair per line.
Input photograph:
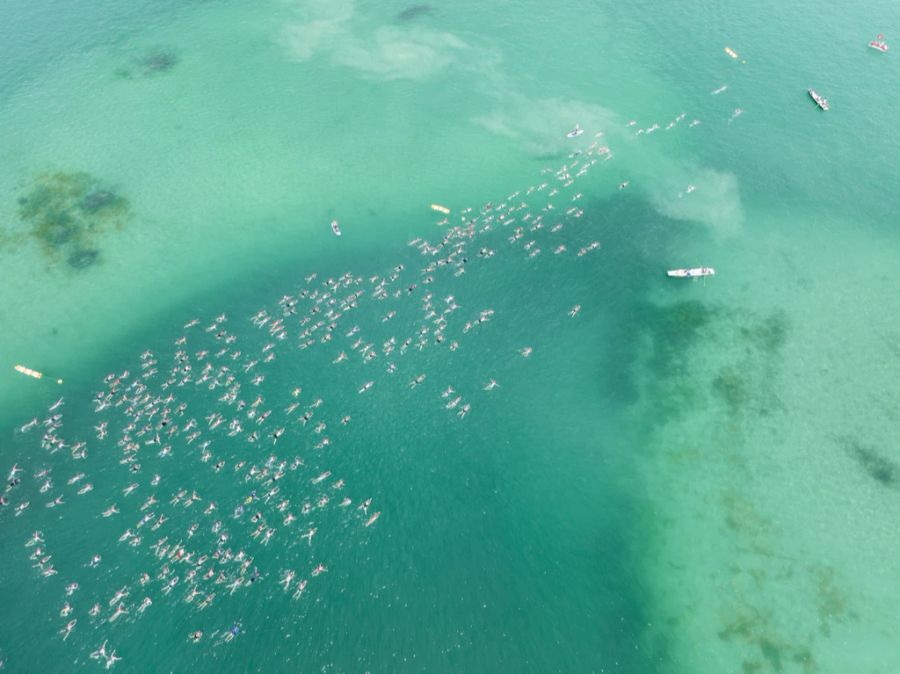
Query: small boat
x,y
821,101
574,133
335,228
879,43
731,52
691,273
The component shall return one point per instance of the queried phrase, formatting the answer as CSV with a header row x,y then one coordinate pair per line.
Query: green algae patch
x,y
67,213
880,469
152,63
674,329
732,388
770,334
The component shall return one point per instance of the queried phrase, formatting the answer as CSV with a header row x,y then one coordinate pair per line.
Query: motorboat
x,y
691,273
820,100
879,43
574,133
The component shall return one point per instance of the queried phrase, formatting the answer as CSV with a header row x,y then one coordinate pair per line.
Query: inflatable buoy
x,y
27,371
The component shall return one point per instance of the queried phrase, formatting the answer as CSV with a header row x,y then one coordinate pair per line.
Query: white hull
x,y
691,273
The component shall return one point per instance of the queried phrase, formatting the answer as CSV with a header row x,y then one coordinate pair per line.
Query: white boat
x,y
879,43
574,133
335,228
820,100
691,273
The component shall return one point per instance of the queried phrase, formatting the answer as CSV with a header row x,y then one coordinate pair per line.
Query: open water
x,y
697,476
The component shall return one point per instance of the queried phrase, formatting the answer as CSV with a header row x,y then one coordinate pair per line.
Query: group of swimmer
x,y
218,400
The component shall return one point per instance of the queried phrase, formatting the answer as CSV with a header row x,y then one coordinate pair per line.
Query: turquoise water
x,y
694,476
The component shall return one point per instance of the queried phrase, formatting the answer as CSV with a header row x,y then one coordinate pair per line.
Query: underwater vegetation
x,y
753,629
770,334
732,388
152,63
66,212
414,12
674,329
880,469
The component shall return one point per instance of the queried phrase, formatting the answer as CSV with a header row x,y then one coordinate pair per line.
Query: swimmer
x,y
321,568
36,537
573,312
233,632
67,630
364,506
27,427
121,610
119,596
624,184
195,636
112,510
100,652
112,659
526,351
491,385
309,535
301,586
